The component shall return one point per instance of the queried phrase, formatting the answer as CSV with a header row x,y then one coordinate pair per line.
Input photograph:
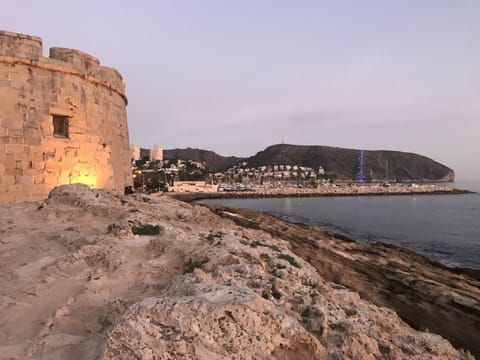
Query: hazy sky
x,y
237,76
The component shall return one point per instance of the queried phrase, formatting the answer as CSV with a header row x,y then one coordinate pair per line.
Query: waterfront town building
x,y
156,153
135,150
144,154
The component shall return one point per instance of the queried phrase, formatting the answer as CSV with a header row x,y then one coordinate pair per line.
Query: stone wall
x,y
72,85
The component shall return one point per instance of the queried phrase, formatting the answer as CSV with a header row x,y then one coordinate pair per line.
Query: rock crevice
x,y
76,282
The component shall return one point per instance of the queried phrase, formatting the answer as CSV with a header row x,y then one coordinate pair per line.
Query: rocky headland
x,y
86,274
339,163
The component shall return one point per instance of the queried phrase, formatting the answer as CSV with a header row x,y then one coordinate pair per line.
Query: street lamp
x,y
143,178
138,173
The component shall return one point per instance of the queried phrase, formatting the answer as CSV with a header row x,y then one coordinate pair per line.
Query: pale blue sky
x,y
235,77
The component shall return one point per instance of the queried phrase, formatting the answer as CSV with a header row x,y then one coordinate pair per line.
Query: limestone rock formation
x,y
76,282
205,320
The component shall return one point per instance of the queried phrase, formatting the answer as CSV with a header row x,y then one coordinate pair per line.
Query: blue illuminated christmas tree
x,y
361,174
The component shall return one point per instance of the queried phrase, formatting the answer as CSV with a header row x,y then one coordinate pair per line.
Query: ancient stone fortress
x,y
62,121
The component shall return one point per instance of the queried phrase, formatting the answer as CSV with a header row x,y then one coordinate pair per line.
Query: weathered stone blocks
x,y
20,45
91,147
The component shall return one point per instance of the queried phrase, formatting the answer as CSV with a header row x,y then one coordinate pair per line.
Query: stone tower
x,y
62,121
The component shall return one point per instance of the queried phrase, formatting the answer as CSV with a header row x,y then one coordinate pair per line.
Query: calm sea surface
x,y
445,228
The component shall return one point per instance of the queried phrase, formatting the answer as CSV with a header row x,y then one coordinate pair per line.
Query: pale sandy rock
x,y
208,322
77,284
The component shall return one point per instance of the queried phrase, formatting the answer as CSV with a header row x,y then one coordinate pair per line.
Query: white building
x,y
135,152
156,153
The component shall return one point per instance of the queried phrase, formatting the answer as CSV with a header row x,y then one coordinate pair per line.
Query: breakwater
x,y
323,191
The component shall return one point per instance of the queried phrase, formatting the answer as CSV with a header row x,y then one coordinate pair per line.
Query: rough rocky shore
x,y
425,294
87,274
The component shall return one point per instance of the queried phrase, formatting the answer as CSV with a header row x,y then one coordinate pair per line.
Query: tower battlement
x,y
20,45
62,120
15,48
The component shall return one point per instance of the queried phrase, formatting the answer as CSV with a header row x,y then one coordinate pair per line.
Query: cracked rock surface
x,y
77,283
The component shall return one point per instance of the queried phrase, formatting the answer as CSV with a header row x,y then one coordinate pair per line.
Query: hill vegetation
x,y
339,163
213,161
343,163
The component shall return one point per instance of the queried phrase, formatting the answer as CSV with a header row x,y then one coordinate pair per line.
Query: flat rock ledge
x,y
87,274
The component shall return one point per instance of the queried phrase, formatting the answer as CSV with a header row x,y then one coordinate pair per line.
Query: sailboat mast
x,y
386,171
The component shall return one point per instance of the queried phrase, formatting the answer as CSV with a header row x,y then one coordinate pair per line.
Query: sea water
x,y
446,228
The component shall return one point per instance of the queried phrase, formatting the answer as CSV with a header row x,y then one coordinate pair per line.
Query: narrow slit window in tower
x,y
60,126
